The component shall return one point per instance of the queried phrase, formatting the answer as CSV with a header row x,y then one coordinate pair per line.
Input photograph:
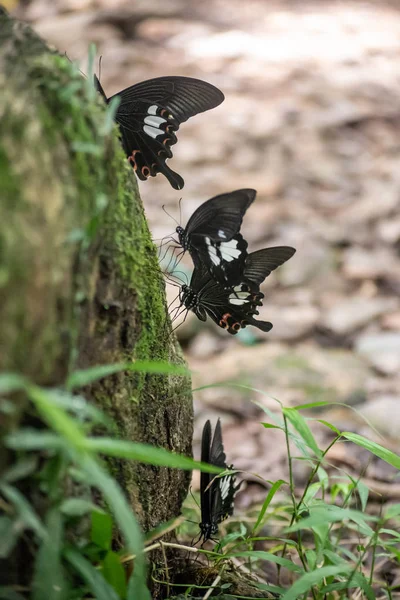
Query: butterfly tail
x,y
262,325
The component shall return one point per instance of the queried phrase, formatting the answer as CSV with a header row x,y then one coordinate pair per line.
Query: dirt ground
x,y
311,120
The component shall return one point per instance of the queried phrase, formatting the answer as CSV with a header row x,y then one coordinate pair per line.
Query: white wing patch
x,y
153,122
221,233
152,131
239,296
224,486
229,250
212,252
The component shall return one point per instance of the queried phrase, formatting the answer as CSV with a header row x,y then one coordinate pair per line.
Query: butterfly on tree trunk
x,y
149,115
212,236
234,308
216,494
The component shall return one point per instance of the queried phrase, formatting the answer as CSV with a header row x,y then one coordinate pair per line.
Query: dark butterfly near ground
x,y
234,308
212,235
149,115
216,494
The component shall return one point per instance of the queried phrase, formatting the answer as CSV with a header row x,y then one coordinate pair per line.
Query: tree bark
x,y
80,283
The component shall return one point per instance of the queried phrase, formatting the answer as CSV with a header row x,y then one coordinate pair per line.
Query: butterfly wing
x,y
212,235
259,264
231,309
151,112
223,488
220,218
205,478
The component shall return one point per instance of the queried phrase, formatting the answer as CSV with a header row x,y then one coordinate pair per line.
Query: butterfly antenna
x,y
180,210
100,67
195,501
167,213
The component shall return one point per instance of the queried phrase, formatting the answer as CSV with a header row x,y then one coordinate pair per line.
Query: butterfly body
x,y
212,235
216,494
234,308
149,115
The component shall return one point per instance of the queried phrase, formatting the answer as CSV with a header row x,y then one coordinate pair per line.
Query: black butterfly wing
x,y
231,309
224,260
184,97
150,113
259,264
205,478
223,488
217,454
219,218
223,498
99,87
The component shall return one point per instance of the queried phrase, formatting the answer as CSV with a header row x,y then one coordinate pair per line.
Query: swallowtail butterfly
x,y
149,115
216,494
212,235
234,308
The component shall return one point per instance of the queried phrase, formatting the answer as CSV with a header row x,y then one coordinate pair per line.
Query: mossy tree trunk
x,y
79,279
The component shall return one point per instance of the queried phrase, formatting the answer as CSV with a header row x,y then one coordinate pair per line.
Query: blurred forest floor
x,y
312,121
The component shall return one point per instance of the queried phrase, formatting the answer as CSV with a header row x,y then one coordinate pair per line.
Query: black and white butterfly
x,y
212,235
149,115
234,308
216,494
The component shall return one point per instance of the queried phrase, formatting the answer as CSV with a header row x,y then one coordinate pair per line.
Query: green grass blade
x,y
26,515
357,580
109,120
80,407
8,593
88,376
33,439
9,534
267,502
376,449
48,579
101,530
268,556
126,520
147,454
78,507
21,469
312,405
89,83
11,382
300,424
114,573
330,426
98,586
308,580
56,417
325,513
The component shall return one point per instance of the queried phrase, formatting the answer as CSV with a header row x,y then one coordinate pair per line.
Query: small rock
x,y
382,350
350,314
391,321
205,344
383,413
359,263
